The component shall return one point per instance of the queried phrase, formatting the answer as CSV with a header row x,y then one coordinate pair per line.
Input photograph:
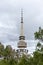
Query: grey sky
x,y
10,13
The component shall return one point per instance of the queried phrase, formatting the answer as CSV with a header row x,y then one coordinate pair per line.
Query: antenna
x,y
21,15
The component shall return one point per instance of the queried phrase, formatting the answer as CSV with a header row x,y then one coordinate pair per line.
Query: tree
x,y
23,60
1,49
8,52
37,58
38,46
39,34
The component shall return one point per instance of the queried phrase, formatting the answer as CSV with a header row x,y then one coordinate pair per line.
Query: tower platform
x,y
22,44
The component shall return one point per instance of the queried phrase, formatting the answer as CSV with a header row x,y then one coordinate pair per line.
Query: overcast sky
x,y
10,16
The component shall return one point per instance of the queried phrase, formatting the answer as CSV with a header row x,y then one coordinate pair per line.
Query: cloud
x,y
10,13
8,32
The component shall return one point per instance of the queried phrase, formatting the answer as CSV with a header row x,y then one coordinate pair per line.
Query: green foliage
x,y
39,34
23,60
9,59
37,59
38,44
8,52
1,49
8,62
